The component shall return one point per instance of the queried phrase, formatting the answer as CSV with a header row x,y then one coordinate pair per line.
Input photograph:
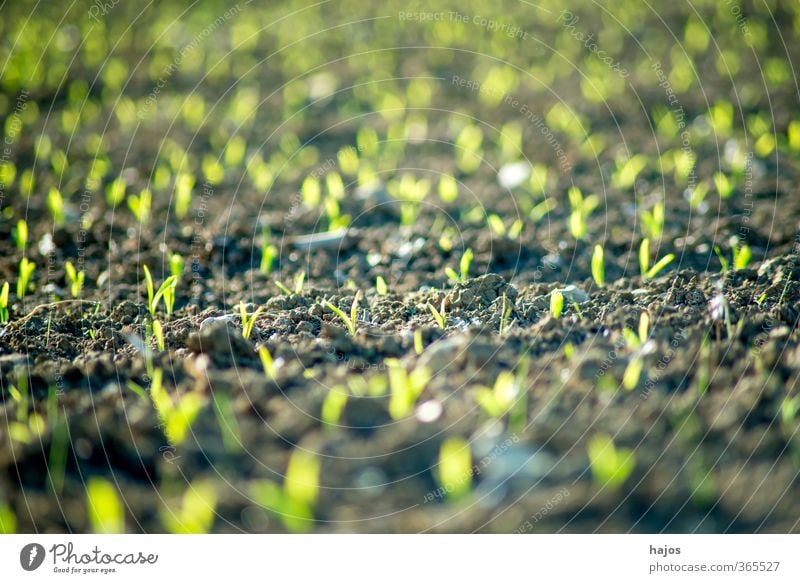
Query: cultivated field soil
x,y
301,156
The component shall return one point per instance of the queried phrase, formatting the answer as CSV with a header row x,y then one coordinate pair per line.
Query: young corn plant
x,y
267,363
294,503
598,266
648,271
556,304
405,388
21,235
742,254
350,322
140,205
176,265
440,315
75,278
581,209
506,397
611,466
269,253
105,509
158,333
176,417
505,314
333,405
455,469
248,322
653,221
380,286
55,204
166,291
196,512
26,269
464,266
299,282
4,303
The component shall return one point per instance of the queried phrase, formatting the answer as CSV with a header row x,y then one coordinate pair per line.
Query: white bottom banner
x,y
400,558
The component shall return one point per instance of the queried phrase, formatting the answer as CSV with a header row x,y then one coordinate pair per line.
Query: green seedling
x,y
76,279
266,362
419,347
646,270
269,253
294,503
333,405
380,286
140,205
644,327
8,521
598,266
742,254
226,419
158,333
197,510
440,316
176,418
184,183
698,194
723,185
633,372
55,204
351,321
455,468
582,208
248,322
464,266
505,313
556,304
26,269
4,303
506,396
21,235
653,221
115,192
790,407
176,265
626,173
104,506
542,209
165,291
448,189
405,388
611,466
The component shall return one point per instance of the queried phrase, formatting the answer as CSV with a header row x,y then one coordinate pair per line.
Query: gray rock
x,y
573,295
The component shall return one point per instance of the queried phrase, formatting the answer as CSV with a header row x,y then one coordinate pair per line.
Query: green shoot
x,y
626,173
556,304
333,406
439,315
177,418
8,521
26,269
21,235
299,282
644,327
582,208
226,419
196,512
266,362
505,313
380,286
248,322
4,303
55,203
176,265
647,271
351,321
598,266
723,184
741,257
418,345
269,253
611,466
165,291
294,503
115,192
140,205
455,468
653,221
184,183
75,278
464,266
448,189
284,290
405,388
497,401
633,372
723,261
158,332
105,508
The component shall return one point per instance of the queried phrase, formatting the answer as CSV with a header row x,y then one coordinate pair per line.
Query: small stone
x,y
573,295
